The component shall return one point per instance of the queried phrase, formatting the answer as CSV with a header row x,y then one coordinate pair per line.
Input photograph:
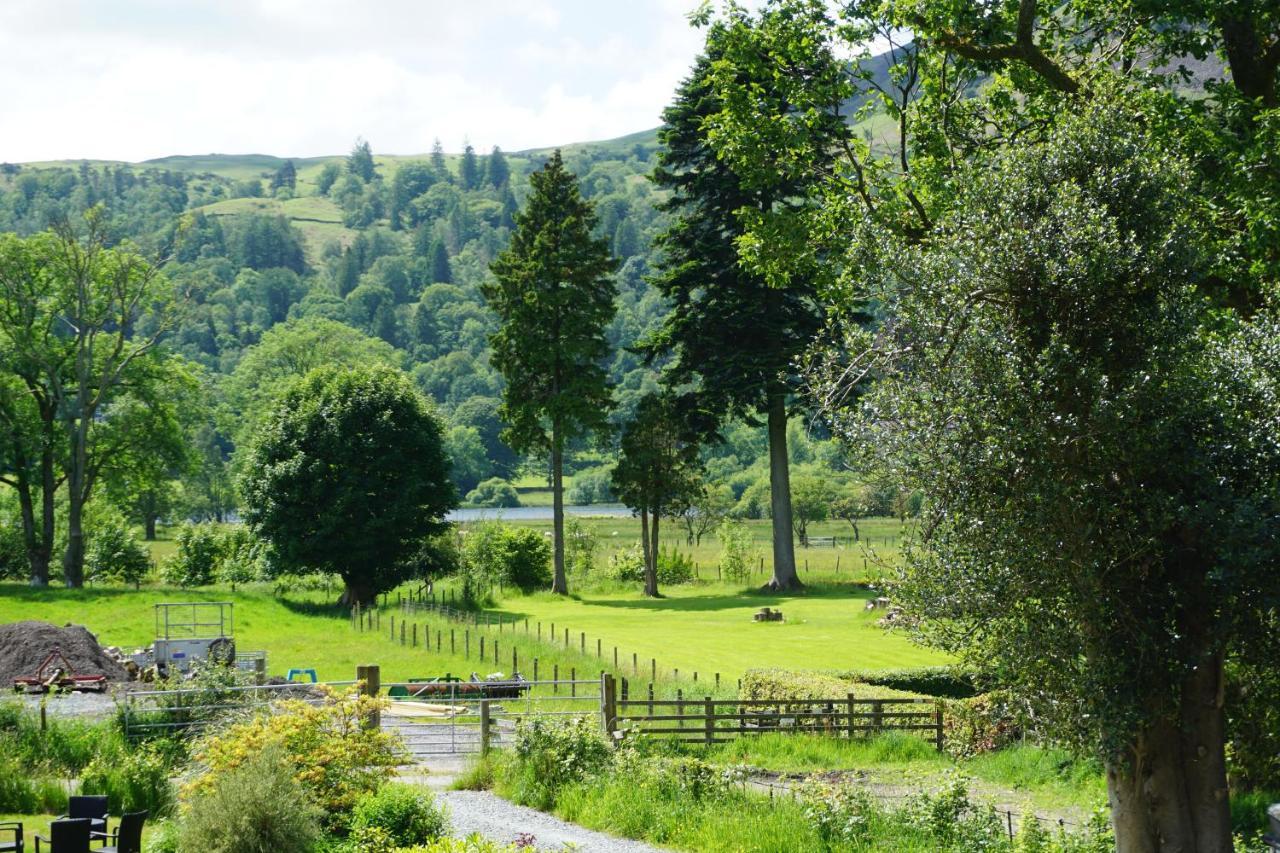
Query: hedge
x,y
942,681
781,684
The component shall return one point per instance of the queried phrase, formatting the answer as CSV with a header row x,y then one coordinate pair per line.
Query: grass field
x,y
318,219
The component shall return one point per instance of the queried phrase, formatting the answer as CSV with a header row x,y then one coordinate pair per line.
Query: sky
x,y
137,79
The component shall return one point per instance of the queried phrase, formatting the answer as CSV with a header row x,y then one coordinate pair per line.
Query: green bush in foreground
x,y
551,754
256,807
132,779
401,814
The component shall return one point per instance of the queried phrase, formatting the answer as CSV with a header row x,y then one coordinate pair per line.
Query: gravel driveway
x,y
495,818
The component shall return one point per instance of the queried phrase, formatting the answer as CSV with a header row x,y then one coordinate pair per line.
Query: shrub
x,y
199,552
163,837
674,567
241,557
782,684
335,758
735,550
519,556
550,754
132,780
116,554
257,806
579,549
494,492
943,681
1253,725
471,844
405,815
981,724
843,814
592,486
627,565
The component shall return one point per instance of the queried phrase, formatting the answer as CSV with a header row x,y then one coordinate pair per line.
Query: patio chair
x,y
14,845
128,835
93,807
66,835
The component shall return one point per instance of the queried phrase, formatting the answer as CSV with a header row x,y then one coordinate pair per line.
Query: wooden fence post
x,y
370,678
484,726
608,704
573,681
937,724
535,669
850,720
710,710
877,715
555,677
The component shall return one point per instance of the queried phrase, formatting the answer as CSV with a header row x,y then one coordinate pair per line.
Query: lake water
x,y
538,513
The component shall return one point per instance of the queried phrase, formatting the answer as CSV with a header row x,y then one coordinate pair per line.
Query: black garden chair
x,y
14,844
91,807
66,835
128,835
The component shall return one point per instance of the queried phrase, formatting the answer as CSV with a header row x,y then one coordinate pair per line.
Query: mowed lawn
x,y
709,629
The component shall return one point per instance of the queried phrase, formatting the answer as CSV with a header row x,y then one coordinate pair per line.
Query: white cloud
x,y
146,78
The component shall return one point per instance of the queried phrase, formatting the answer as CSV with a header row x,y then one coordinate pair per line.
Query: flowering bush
x,y
335,756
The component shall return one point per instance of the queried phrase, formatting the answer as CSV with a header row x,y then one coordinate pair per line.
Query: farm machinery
x,y
55,671
192,634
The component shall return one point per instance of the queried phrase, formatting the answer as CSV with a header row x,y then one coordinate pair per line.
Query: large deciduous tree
x,y
348,475
732,334
1099,458
553,292
80,322
658,474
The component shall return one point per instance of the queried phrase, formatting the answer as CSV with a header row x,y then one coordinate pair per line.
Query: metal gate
x,y
458,718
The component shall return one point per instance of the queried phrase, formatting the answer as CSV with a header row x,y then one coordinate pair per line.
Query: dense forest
x,y
281,265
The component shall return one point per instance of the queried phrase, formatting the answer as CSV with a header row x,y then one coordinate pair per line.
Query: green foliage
x,y
495,493
198,557
22,793
512,555
134,779
64,747
943,681
554,296
779,684
331,754
736,551
1253,725
984,723
580,549
347,475
592,486
675,567
550,754
405,815
116,554
255,807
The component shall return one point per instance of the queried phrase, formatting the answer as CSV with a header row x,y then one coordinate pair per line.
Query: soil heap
x,y
25,645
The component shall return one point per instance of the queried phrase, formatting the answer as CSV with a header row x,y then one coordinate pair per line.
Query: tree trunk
x,y
651,572
357,591
149,532
1168,790
644,536
37,553
73,557
784,553
558,583
48,516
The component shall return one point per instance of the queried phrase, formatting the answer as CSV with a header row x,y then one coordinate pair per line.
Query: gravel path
x,y
495,818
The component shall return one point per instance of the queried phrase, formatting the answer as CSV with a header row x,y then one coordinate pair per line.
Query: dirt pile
x,y
25,645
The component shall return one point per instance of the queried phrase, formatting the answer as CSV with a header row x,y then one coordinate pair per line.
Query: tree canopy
x,y
348,475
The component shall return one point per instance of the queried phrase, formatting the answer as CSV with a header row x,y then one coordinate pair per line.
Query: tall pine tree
x,y
438,162
553,292
499,170
731,335
360,160
470,169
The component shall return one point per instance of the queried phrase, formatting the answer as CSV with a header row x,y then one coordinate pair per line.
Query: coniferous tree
x,y
658,473
499,170
360,161
470,169
438,162
730,333
441,271
554,295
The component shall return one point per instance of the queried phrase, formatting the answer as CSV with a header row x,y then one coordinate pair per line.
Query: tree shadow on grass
x,y
748,598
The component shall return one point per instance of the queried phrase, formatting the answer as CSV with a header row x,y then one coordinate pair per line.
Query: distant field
x,y
318,219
